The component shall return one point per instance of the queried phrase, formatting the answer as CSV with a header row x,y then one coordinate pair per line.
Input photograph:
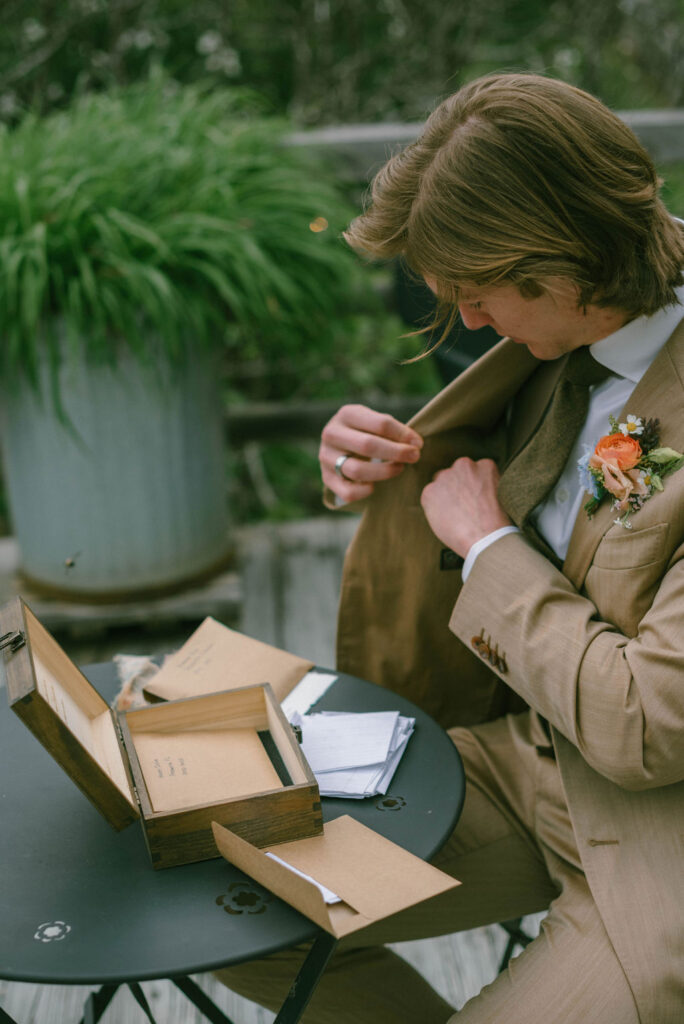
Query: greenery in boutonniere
x,y
153,216
629,465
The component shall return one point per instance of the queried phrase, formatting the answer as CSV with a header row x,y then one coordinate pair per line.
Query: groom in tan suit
x,y
550,641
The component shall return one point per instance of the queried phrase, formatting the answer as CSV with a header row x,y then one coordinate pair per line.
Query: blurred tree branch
x,y
324,61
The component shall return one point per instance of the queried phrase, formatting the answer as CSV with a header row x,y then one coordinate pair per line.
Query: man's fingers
x,y
357,469
371,435
343,439
376,447
362,418
347,490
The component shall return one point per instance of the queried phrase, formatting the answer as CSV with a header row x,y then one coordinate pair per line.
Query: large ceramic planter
x,y
130,495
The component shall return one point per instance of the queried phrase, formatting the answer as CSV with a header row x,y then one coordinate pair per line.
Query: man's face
x,y
549,325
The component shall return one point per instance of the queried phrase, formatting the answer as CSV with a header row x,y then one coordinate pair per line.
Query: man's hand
x,y
379,446
461,504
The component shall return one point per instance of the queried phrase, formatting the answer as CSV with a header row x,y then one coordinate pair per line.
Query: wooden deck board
x,y
63,1004
288,588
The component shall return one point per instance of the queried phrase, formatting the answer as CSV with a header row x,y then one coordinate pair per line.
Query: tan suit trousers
x,y
514,851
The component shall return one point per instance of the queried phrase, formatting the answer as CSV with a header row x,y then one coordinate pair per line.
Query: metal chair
x,y
516,937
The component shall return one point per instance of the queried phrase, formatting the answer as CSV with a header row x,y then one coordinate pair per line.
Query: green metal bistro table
x,y
82,905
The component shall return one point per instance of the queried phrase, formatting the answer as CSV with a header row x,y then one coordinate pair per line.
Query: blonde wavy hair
x,y
517,178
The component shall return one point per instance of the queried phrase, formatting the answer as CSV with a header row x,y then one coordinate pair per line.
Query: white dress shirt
x,y
628,353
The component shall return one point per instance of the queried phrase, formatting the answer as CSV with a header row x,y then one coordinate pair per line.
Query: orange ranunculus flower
x,y
620,449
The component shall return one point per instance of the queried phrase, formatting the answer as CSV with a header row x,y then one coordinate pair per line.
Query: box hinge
x,y
122,744
135,792
12,640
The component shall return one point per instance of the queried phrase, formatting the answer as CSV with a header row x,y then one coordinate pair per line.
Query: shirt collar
x,y
631,349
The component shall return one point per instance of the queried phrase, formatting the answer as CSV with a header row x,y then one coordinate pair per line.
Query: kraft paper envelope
x,y
217,658
373,876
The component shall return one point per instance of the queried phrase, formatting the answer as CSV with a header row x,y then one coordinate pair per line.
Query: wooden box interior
x,y
210,749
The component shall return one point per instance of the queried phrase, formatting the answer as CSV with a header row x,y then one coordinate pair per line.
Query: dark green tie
x,y
534,471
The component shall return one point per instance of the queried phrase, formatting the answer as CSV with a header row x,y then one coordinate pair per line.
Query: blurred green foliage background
x,y
325,61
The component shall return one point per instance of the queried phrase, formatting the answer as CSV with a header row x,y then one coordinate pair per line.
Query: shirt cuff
x,y
481,544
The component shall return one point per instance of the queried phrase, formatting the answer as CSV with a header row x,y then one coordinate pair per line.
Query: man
x,y
532,208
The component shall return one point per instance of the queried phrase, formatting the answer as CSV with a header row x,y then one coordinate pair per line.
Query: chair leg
x,y
141,1000
97,1003
516,937
204,1004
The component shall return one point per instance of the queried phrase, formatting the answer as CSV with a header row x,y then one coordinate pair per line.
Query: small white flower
x,y
632,425
9,104
645,477
143,39
623,522
33,30
209,42
226,60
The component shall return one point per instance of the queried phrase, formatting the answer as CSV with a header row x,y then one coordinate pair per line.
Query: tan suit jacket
x,y
597,648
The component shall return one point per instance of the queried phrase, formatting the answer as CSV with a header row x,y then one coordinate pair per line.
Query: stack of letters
x,y
351,755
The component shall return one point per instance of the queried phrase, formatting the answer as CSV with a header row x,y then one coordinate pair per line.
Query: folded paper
x,y
334,742
354,755
307,692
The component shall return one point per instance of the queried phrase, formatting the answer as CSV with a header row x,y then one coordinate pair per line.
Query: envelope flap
x,y
296,891
217,658
370,873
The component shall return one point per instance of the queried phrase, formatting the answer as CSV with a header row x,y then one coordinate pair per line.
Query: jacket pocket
x,y
632,549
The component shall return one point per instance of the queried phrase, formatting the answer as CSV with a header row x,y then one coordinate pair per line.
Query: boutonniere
x,y
627,465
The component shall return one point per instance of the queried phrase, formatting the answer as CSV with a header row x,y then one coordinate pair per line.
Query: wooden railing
x,y
267,421
363,148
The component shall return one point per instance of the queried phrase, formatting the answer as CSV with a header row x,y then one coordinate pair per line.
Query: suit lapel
x,y
658,395
478,397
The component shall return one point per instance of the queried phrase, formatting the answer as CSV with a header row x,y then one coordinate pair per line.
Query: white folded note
x,y
354,755
332,742
308,690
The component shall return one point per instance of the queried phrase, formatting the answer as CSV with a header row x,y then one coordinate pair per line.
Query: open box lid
x,y
373,876
65,713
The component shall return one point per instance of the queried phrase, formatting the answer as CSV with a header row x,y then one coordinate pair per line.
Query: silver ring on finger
x,y
339,464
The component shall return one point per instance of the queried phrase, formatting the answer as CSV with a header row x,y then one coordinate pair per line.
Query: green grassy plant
x,y
673,187
155,215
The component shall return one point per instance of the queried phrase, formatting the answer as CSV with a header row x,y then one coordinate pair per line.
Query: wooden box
x,y
230,757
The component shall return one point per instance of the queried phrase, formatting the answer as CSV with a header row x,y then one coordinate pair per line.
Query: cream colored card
x,y
217,658
208,766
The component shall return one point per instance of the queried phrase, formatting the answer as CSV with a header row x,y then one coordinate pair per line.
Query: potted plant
x,y
135,227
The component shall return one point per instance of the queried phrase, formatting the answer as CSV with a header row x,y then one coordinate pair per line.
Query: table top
x,y
81,904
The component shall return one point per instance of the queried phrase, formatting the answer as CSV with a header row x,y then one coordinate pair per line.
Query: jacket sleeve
x,y
619,700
